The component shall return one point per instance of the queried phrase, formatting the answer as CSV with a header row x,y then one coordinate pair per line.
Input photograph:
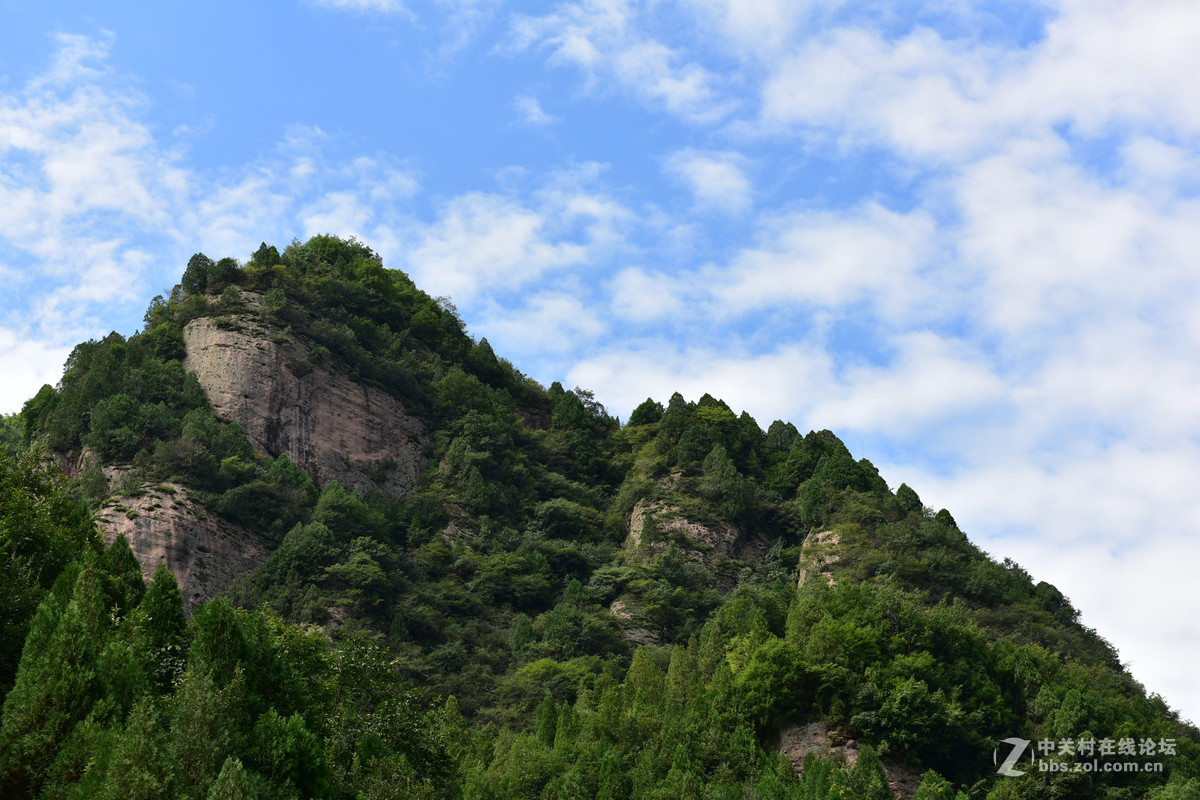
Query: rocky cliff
x,y
712,535
163,525
797,741
289,402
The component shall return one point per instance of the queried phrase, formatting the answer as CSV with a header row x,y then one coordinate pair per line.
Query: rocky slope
x,y
797,741
289,402
163,525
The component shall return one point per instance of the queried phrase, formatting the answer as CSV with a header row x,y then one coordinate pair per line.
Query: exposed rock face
x,y
630,630
818,554
326,423
798,741
205,552
718,535
720,545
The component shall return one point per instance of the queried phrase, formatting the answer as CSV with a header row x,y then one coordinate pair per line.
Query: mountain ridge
x,y
646,593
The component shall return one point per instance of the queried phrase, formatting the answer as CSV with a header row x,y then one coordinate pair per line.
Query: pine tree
x,y
200,731
234,783
935,787
160,629
218,646
140,767
56,685
41,531
546,720
122,564
611,783
712,650
644,681
522,634
681,675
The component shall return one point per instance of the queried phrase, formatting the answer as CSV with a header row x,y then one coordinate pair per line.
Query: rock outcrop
x,y
206,553
331,426
798,741
630,630
717,535
818,554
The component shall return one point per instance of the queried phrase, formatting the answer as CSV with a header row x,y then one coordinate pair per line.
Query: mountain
x,y
342,549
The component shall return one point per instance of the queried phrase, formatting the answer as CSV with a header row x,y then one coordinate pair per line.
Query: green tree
x,y
12,435
546,720
725,482
56,683
909,499
42,529
647,413
140,767
935,787
196,276
235,782
160,630
202,730
288,755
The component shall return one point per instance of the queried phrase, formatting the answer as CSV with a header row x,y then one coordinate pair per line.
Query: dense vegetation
x,y
564,607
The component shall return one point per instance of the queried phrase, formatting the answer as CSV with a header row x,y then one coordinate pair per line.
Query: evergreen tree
x,y
56,685
140,767
120,562
546,720
160,630
41,530
234,783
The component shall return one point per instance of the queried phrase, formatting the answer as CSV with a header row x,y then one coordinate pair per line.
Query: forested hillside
x,y
557,605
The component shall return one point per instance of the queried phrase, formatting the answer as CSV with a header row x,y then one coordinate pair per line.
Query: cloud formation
x,y
963,240
717,180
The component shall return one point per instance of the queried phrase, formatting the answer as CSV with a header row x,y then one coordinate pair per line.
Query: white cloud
x,y
463,21
929,382
1105,62
942,99
482,240
643,297
531,110
481,243
717,180
828,259
1113,528
921,94
81,179
364,6
27,363
548,322
757,28
1054,244
770,386
370,190
604,40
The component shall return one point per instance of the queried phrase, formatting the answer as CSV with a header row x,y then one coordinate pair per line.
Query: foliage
x,y
627,612
41,531
237,705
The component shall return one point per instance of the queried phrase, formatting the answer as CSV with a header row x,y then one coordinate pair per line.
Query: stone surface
x,y
718,535
206,553
630,630
798,741
334,428
818,554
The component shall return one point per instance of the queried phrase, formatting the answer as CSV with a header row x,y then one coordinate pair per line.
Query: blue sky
x,y
961,235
